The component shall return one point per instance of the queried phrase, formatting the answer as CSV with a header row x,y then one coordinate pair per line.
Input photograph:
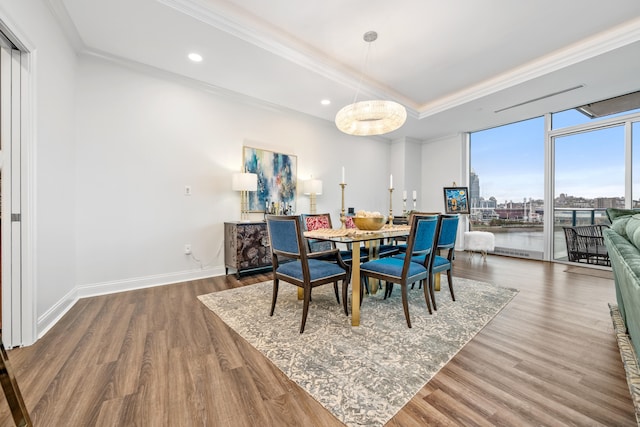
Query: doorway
x,y
589,177
11,313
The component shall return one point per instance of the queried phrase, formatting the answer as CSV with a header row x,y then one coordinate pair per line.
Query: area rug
x,y
629,358
363,375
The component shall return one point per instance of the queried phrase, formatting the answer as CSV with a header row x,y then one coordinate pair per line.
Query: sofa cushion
x,y
619,225
614,213
632,230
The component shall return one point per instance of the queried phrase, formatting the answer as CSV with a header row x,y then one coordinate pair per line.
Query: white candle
x,y
343,175
414,194
404,194
390,181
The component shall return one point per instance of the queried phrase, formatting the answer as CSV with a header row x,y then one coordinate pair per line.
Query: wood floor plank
x,y
158,357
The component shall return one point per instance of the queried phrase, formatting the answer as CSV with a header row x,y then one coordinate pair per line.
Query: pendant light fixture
x,y
374,117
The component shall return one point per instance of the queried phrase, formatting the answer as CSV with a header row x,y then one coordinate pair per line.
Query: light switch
x,y
187,190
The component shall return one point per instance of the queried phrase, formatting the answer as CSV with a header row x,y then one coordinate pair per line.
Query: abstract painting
x,y
277,180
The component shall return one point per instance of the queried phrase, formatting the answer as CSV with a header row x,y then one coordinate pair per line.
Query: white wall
x,y
52,143
143,137
405,161
114,147
442,165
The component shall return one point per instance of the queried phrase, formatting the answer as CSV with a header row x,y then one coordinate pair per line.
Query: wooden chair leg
x,y
345,295
12,391
432,292
305,308
335,289
427,295
274,297
405,304
388,288
450,279
345,299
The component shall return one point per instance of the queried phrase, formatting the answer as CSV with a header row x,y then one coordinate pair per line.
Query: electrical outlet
x,y
187,249
187,190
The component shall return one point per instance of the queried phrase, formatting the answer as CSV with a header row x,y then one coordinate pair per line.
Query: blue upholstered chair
x,y
446,242
421,240
292,263
402,247
312,222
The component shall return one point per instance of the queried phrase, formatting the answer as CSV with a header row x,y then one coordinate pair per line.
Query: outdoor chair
x,y
585,244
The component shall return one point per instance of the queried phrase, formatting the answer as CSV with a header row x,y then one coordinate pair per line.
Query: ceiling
x,y
459,65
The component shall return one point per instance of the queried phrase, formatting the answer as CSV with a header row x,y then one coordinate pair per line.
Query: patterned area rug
x,y
363,375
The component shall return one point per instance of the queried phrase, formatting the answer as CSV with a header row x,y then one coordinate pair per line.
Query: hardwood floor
x,y
158,357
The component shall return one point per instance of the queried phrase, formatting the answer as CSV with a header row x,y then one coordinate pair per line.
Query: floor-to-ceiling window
x,y
594,164
507,186
589,177
635,164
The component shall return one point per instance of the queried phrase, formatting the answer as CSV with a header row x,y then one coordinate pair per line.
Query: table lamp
x,y
244,182
312,187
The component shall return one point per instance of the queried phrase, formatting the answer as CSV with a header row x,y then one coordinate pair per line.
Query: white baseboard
x,y
55,313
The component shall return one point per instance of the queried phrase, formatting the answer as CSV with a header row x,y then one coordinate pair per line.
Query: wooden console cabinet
x,y
246,247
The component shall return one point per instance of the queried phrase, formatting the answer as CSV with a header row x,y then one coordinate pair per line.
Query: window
x,y
507,186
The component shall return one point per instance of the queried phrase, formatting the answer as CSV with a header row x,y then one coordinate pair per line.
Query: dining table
x,y
354,237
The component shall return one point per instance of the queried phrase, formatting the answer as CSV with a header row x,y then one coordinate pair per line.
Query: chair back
x,y
448,231
422,237
285,236
421,213
312,222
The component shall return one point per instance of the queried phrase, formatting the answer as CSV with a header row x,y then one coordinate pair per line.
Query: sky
x,y
509,160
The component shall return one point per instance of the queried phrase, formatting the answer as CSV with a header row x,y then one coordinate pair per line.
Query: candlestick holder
x,y
404,206
390,206
343,217
414,204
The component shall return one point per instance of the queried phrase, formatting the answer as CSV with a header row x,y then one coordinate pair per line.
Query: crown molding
x,y
272,40
69,28
598,44
269,39
231,95
249,29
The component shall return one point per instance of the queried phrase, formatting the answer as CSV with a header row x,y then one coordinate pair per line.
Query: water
x,y
531,241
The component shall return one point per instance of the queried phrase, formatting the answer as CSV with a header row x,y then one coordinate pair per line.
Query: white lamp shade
x,y
244,181
312,186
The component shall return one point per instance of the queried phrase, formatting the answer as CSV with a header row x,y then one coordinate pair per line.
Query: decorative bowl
x,y
369,222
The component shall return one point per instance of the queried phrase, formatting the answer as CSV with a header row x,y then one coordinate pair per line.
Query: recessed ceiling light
x,y
325,102
195,57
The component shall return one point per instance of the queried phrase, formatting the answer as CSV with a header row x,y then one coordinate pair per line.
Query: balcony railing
x,y
566,217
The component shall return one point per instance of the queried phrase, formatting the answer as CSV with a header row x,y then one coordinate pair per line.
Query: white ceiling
x,y
453,63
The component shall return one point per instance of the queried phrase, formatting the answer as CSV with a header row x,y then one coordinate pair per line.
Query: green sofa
x,y
623,242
